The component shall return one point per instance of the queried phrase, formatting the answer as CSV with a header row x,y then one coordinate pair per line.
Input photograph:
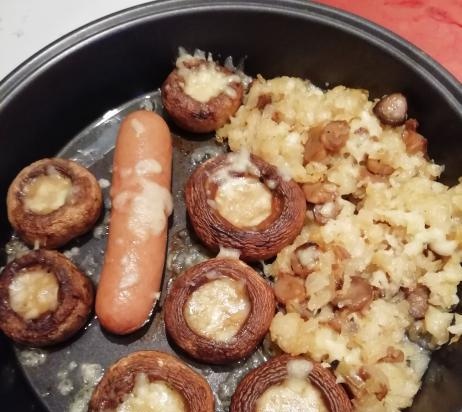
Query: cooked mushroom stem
x,y
418,301
58,323
418,334
378,167
263,101
358,296
250,334
319,192
305,259
52,201
340,252
326,139
118,382
415,142
334,135
289,288
274,372
376,380
392,109
393,355
324,212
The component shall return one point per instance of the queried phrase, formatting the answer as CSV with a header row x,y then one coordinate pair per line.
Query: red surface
x,y
434,26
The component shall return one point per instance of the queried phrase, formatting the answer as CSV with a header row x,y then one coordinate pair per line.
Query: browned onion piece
x,y
260,242
340,252
274,372
251,333
75,300
119,381
76,216
314,148
193,115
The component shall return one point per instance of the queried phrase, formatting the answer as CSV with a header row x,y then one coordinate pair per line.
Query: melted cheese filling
x,y
218,309
147,203
156,396
47,193
33,293
292,395
206,81
243,201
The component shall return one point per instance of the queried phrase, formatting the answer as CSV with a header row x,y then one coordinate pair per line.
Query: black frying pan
x,y
64,88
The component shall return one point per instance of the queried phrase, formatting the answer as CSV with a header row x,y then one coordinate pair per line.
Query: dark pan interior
x,y
61,90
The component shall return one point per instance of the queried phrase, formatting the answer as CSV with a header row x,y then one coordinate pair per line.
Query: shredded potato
x,y
395,241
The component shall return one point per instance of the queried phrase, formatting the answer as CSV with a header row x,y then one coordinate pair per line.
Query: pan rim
x,y
368,31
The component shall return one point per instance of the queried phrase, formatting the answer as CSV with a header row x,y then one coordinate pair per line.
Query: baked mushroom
x,y
147,379
44,298
241,202
52,201
219,310
286,383
200,95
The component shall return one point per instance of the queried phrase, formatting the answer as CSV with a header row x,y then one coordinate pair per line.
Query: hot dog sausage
x,y
141,203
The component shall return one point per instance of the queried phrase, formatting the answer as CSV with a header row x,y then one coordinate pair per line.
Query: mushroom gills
x,y
156,396
243,201
204,81
47,193
33,293
218,309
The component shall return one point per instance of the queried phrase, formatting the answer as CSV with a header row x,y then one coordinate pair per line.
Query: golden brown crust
x,y
262,310
256,243
195,116
119,381
75,300
74,218
275,372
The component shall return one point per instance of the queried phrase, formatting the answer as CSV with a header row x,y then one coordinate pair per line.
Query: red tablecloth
x,y
435,26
